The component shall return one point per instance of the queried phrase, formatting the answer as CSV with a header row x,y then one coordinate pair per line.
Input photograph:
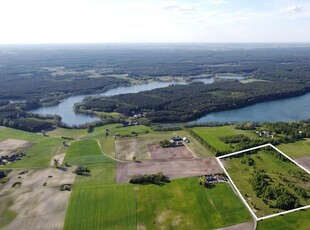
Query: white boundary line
x,y
236,189
240,195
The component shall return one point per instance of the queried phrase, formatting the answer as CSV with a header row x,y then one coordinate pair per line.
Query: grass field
x,y
212,135
102,207
181,204
241,173
297,220
297,149
40,154
85,152
100,174
184,204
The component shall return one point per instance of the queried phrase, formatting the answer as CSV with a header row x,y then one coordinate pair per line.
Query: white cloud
x,y
184,8
292,9
218,2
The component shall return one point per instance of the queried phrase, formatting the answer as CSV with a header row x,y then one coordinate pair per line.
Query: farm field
x,y
39,153
102,207
139,146
37,202
173,168
212,136
184,204
103,173
85,152
297,220
297,149
277,171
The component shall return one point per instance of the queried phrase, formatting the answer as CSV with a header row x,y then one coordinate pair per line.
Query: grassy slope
x,y
297,220
40,153
297,149
212,135
240,173
85,152
184,204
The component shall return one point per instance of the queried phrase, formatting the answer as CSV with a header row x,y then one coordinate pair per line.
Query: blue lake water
x,y
290,109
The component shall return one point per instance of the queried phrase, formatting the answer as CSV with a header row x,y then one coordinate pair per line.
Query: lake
x,y
290,109
65,108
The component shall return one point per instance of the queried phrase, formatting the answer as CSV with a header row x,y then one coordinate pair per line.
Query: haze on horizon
x,y
179,21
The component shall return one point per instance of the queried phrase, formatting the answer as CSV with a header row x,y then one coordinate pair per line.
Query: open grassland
x,y
275,169
297,149
102,207
212,136
181,204
62,132
297,220
85,152
40,153
184,204
100,174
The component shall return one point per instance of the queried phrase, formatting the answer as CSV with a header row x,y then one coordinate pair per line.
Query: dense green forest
x,y
179,103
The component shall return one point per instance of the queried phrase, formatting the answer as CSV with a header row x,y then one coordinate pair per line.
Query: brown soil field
x,y
125,149
180,152
36,206
173,168
10,145
304,161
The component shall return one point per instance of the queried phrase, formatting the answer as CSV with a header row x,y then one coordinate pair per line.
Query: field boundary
x,y
239,193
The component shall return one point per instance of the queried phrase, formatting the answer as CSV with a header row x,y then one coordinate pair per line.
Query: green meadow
x,y
212,136
274,168
297,220
85,152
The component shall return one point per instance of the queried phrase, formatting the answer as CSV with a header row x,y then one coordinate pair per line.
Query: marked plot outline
x,y
239,193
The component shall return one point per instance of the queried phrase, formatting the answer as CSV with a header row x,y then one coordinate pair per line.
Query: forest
x,y
180,103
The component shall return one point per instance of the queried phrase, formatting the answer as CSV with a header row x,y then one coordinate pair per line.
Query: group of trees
x,y
276,195
235,139
82,171
157,178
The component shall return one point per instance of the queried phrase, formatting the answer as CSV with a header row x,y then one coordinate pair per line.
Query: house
x,y
186,140
177,138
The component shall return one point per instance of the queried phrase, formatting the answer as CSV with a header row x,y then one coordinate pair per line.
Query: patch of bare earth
x,y
10,145
59,157
125,149
37,206
180,152
243,226
177,168
304,161
141,227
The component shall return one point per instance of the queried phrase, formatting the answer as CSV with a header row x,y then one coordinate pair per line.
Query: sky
x,y
146,21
